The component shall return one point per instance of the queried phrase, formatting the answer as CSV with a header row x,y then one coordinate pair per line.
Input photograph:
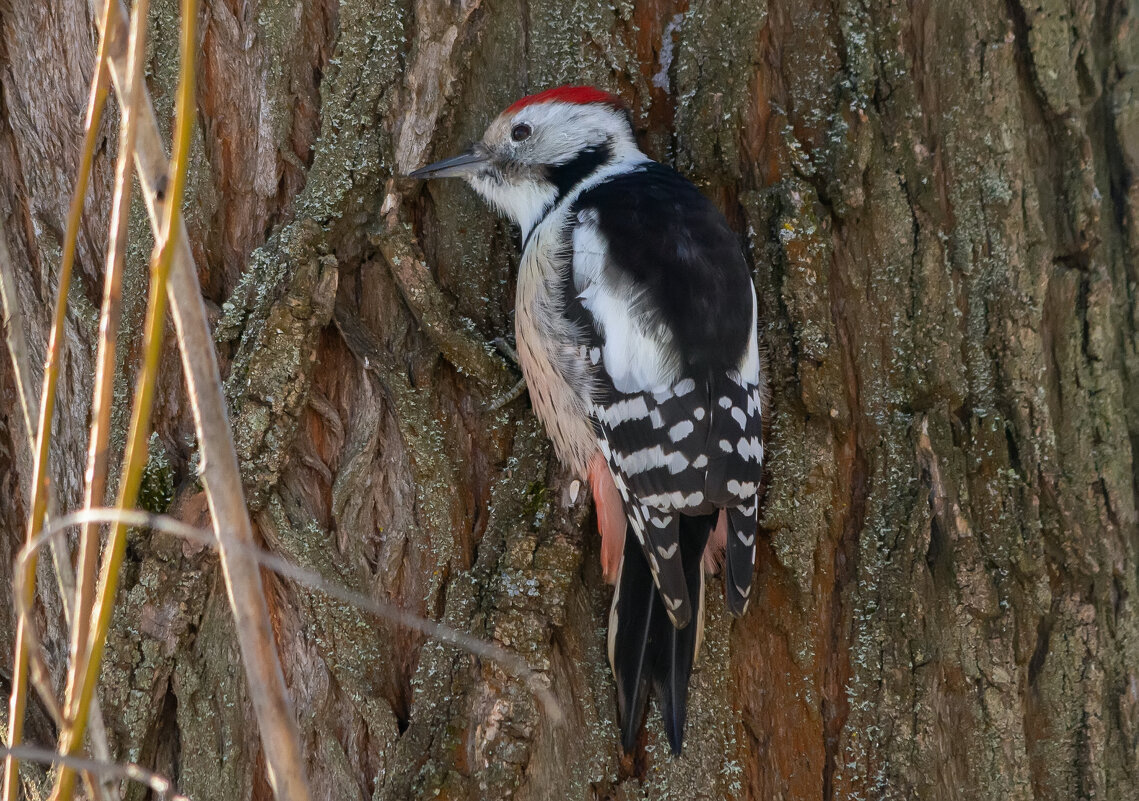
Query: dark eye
x,y
520,131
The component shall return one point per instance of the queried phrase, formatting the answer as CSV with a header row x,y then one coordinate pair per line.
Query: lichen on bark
x,y
938,203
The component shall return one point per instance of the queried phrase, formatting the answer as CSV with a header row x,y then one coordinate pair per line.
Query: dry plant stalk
x,y
18,700
103,398
233,535
511,663
84,671
220,475
105,768
61,560
14,331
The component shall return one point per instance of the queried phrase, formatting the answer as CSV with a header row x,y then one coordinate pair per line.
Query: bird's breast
x,y
549,351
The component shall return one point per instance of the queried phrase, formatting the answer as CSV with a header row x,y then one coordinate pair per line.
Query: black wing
x,y
660,282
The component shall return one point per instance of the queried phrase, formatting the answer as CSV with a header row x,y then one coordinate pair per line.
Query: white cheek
x,y
524,203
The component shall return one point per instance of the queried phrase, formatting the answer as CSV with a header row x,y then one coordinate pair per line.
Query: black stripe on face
x,y
568,175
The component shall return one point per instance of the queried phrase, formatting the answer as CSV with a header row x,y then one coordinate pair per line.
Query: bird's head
x,y
540,147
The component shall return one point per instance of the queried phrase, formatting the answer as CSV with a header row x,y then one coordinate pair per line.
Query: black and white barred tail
x,y
645,647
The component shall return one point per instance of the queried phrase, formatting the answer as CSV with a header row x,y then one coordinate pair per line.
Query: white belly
x,y
557,376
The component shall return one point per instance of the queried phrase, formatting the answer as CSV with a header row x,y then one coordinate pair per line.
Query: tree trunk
x,y
938,202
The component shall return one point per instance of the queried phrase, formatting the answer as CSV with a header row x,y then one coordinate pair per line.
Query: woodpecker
x,y
635,321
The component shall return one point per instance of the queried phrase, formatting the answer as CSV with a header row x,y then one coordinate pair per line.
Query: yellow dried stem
x,y
82,678
220,474
102,400
100,85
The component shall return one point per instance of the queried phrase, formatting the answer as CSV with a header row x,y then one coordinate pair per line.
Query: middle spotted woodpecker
x,y
636,331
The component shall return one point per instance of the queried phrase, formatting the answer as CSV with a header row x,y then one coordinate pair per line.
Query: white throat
x,y
526,203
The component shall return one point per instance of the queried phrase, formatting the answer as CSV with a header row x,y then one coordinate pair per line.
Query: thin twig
x,y
61,561
82,677
18,351
220,474
96,101
117,770
513,394
14,332
102,399
435,313
511,663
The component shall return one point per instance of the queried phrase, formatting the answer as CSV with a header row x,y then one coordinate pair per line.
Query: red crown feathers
x,y
569,94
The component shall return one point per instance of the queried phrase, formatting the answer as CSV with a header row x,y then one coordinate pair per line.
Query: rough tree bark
x,y
938,201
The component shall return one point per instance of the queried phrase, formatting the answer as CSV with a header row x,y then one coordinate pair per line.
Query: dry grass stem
x,y
82,676
221,477
96,101
61,561
14,334
101,767
512,664
21,368
103,397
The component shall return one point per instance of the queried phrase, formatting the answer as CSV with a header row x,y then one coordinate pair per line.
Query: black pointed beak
x,y
459,166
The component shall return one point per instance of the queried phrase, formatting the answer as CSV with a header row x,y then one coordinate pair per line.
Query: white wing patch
x,y
638,352
749,365
634,408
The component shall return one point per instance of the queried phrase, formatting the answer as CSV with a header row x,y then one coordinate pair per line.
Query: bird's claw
x,y
506,349
511,395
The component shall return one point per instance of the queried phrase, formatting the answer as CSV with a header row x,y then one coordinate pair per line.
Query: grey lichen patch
x,y
133,299
157,489
162,67
1059,33
358,97
714,56
874,599
1067,735
474,254
278,31
218,746
525,588
576,42
160,603
579,758
708,768
268,385
348,641
792,246
423,758
803,473
806,255
455,337
515,593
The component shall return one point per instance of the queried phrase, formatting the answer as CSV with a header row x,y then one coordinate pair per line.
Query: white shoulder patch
x,y
638,353
749,365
